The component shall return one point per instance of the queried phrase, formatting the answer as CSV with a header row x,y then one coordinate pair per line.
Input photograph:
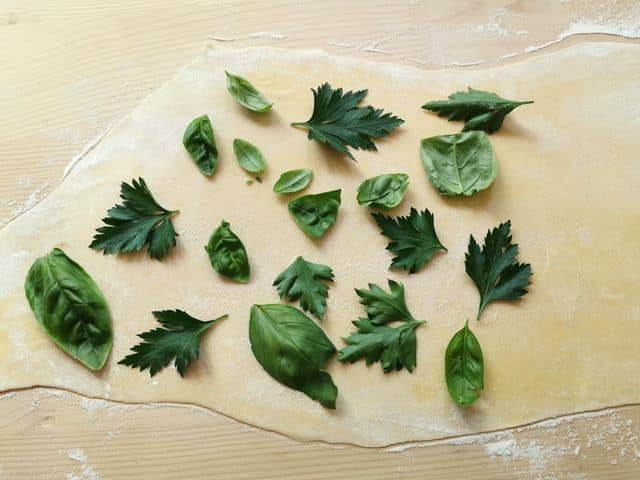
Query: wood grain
x,y
72,68
62,434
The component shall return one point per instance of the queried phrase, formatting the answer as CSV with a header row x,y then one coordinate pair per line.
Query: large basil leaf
x,y
246,94
459,164
227,254
316,213
293,350
199,141
293,181
464,367
248,156
70,308
383,191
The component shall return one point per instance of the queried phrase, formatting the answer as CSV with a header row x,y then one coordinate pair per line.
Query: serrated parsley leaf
x,y
479,109
139,221
338,121
394,347
306,281
494,269
179,338
413,239
383,307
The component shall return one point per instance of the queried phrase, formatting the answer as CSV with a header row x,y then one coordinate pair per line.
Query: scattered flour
x,y
86,471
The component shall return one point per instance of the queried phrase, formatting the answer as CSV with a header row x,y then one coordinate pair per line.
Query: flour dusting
x,y
86,471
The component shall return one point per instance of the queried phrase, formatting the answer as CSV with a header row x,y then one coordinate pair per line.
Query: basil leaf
x,y
199,141
464,367
315,214
248,156
293,181
293,350
227,254
70,308
383,191
246,94
459,164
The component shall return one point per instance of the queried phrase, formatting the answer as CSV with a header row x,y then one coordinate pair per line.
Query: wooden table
x,y
71,68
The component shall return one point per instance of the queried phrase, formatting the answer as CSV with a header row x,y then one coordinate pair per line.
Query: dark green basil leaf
x,y
70,308
248,156
460,164
315,214
246,94
227,254
383,191
293,350
464,367
199,141
293,181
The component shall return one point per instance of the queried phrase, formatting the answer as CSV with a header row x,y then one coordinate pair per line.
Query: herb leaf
x,y
70,308
293,181
383,191
338,121
394,347
479,109
293,350
383,307
248,156
246,94
179,339
459,164
139,221
316,213
306,281
413,239
494,269
227,254
464,367
199,141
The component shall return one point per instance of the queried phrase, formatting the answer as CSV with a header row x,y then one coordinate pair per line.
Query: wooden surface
x,y
71,68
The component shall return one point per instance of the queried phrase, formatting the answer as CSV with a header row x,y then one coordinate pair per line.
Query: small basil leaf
x,y
293,350
460,164
227,254
464,367
293,181
70,308
246,94
248,156
383,191
315,214
199,141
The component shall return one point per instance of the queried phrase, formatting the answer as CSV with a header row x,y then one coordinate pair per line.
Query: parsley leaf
x,y
179,339
464,367
394,347
494,269
306,281
413,239
479,109
338,121
383,307
139,221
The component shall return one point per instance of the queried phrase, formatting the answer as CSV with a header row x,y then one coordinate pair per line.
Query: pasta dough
x,y
567,178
